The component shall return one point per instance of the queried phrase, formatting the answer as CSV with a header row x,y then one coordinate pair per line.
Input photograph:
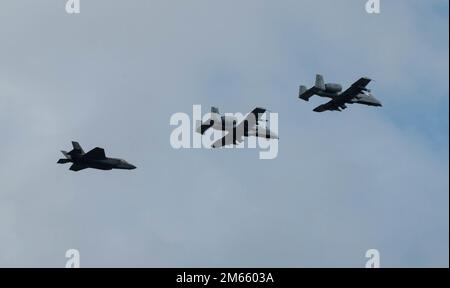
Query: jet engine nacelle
x,y
333,88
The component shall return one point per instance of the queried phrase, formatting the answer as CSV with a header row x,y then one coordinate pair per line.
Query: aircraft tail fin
x,y
214,110
76,148
64,160
305,93
303,89
320,83
67,155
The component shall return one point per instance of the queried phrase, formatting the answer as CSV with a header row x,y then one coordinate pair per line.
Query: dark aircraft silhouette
x,y
95,158
357,93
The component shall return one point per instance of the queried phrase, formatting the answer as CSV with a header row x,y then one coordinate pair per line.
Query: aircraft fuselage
x,y
102,164
361,98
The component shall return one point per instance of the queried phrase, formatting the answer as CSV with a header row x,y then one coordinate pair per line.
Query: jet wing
x,y
355,89
331,105
96,153
78,167
249,123
252,119
227,140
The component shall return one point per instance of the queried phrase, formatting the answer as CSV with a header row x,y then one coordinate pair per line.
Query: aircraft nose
x,y
376,101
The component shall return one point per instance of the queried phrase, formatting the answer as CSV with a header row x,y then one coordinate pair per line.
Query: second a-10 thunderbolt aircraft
x,y
357,93
249,126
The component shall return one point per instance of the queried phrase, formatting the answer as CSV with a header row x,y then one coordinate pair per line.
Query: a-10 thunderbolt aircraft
x,y
237,131
357,93
95,158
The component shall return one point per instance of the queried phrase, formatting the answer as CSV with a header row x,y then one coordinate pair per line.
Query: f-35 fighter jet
x,y
357,93
95,158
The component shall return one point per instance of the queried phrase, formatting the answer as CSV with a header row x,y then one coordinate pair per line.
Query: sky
x,y
113,75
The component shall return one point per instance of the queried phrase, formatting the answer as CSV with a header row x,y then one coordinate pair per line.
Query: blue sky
x,y
112,77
